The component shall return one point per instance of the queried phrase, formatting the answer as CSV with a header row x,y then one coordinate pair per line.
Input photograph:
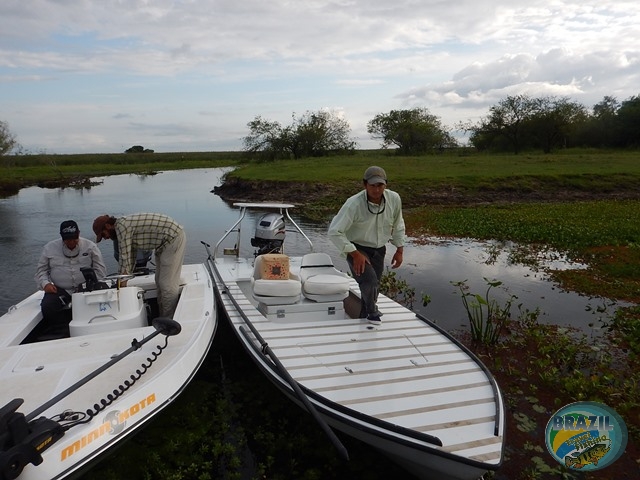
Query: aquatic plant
x,y
487,317
397,289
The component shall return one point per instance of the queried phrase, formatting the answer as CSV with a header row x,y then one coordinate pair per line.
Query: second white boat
x,y
405,387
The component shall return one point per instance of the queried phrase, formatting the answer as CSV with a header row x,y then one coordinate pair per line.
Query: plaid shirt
x,y
143,231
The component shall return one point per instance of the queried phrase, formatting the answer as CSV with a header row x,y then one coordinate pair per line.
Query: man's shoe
x,y
374,319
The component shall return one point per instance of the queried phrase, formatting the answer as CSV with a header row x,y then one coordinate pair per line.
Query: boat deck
x,y
406,374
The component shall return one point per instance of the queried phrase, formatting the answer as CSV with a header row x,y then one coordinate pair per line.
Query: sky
x,y
88,76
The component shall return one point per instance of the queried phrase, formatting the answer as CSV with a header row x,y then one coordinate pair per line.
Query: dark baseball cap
x,y
69,230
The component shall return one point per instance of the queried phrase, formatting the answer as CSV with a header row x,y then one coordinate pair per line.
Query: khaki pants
x,y
168,269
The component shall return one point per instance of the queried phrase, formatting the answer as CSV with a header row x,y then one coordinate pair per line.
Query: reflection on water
x,y
433,269
32,217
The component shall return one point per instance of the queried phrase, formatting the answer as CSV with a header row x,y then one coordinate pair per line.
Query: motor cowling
x,y
269,233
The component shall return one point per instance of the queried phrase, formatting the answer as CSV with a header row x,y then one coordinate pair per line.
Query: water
x,y
32,217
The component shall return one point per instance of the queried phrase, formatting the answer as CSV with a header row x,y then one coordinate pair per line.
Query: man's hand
x,y
360,260
50,288
396,261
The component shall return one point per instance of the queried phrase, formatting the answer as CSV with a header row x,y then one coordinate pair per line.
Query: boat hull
x,y
406,388
122,398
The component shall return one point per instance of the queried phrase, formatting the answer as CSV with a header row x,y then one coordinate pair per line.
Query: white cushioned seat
x,y
284,290
321,281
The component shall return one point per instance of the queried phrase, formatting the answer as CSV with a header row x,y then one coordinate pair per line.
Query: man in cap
x,y
148,231
58,271
361,229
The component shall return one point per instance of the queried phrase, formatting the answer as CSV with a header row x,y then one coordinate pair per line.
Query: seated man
x,y
58,271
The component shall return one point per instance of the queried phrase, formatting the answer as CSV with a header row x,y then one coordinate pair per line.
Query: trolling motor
x,y
21,442
24,437
269,234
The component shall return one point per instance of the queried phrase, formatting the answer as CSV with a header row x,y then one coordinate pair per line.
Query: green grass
x,y
420,179
565,226
118,158
22,171
578,169
450,167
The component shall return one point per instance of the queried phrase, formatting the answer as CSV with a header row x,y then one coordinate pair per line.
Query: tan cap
x,y
374,175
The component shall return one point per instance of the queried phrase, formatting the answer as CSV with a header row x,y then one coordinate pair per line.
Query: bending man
x,y
149,231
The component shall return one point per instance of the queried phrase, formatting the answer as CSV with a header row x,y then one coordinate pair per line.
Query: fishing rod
x,y
265,349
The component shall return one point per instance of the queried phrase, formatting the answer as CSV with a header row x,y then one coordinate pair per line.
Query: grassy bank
x,y
45,170
473,173
449,176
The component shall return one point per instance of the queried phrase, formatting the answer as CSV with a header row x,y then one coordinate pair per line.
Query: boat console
x,y
99,309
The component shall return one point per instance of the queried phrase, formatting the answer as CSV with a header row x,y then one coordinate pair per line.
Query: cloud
x,y
585,77
220,63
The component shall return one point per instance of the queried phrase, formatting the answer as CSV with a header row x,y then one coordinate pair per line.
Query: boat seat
x,y
321,281
272,282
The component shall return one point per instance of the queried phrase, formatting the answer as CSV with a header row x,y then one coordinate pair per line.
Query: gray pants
x,y
168,269
369,280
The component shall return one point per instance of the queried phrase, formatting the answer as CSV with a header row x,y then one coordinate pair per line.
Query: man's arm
x,y
396,261
97,262
125,248
337,230
42,271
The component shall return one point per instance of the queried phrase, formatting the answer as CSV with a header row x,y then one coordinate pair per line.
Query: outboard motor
x,y
269,234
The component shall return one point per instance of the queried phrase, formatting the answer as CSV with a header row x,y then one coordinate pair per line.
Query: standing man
x,y
58,271
148,231
361,229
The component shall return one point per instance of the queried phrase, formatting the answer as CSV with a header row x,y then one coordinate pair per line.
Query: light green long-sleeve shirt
x,y
357,222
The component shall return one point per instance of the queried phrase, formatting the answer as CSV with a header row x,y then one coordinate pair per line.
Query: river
x,y
32,217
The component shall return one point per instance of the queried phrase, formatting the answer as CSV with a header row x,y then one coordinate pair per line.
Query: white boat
x,y
405,387
68,398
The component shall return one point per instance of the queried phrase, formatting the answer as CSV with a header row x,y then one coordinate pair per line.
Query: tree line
x,y
522,122
321,133
516,123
